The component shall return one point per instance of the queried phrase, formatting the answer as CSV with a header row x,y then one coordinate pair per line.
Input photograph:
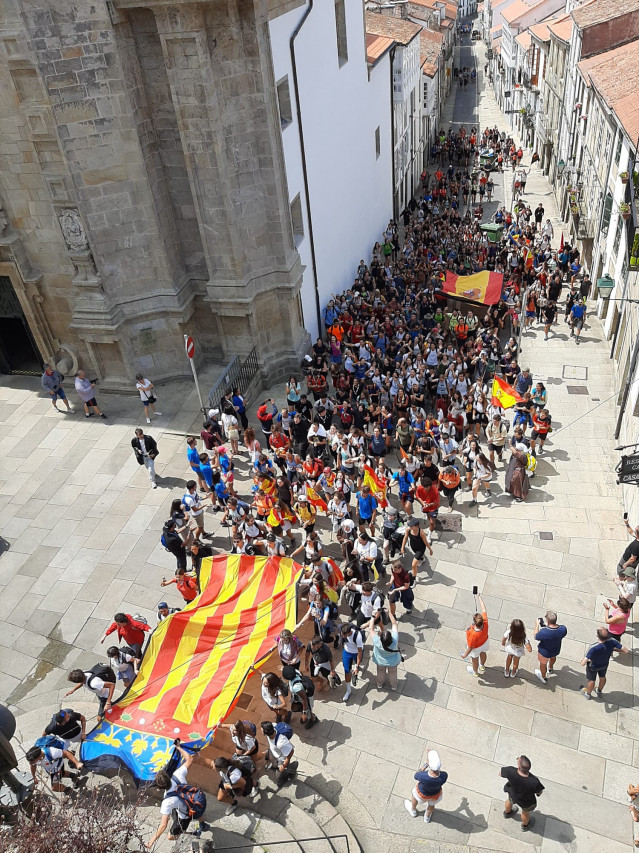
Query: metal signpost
x,y
189,346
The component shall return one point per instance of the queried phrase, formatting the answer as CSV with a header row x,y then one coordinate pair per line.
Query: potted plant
x,y
624,209
574,209
624,177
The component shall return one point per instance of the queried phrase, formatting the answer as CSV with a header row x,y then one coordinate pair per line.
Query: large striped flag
x,y
503,394
377,486
484,287
315,499
197,662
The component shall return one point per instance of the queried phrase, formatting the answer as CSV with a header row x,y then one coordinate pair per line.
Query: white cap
x,y
434,761
519,445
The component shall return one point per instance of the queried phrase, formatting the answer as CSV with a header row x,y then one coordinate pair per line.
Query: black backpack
x,y
102,671
245,764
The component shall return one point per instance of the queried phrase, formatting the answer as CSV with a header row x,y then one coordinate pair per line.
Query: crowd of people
x,y
391,419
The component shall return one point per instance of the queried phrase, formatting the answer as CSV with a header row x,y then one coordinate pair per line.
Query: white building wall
x,y
350,187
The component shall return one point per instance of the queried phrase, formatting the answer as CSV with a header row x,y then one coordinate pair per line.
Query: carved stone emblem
x,y
73,230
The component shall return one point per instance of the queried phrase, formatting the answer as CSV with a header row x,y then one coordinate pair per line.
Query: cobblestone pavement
x,y
82,528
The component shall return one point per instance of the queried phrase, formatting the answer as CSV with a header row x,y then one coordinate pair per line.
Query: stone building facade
x,y
142,187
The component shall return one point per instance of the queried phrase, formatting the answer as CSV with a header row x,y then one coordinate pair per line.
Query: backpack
x,y
163,541
193,798
246,765
531,462
250,727
100,670
142,620
306,682
48,742
283,729
333,610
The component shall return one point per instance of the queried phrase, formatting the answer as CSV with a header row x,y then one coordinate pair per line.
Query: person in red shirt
x,y
186,584
477,642
129,629
427,494
542,423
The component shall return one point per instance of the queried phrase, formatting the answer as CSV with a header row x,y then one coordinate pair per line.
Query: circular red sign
x,y
190,347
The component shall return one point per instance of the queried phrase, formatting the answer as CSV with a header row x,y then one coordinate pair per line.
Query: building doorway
x,y
18,350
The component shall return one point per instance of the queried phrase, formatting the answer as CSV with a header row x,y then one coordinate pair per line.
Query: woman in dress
x,y
516,644
517,482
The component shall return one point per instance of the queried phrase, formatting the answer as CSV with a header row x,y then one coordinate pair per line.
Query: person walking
x,y
174,805
549,636
145,389
482,475
628,585
522,789
630,557
577,318
193,458
174,543
128,629
477,643
596,661
68,725
516,644
274,695
496,433
633,793
428,790
52,381
418,541
99,680
386,655
85,390
517,482
49,753
194,506
186,584
146,452
280,751
352,653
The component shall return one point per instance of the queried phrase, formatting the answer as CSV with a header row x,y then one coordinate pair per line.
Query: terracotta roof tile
x,y
608,73
376,47
540,31
401,31
515,10
430,50
599,11
562,27
523,39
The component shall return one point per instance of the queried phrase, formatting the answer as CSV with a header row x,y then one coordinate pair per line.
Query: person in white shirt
x,y
51,759
172,805
365,548
628,585
352,652
279,753
100,687
234,782
145,387
124,662
370,605
164,611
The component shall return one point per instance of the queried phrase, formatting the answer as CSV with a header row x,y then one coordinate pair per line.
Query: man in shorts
x,y
352,652
496,433
477,643
318,659
417,539
427,792
630,557
549,636
85,389
52,383
427,495
577,318
522,789
366,509
596,661
51,759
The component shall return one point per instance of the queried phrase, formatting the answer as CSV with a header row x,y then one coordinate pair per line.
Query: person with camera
x,y
85,390
316,438
549,636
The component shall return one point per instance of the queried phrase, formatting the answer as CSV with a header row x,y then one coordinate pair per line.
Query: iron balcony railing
x,y
238,373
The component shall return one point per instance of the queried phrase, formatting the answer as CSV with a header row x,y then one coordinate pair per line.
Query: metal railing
x,y
238,373
297,841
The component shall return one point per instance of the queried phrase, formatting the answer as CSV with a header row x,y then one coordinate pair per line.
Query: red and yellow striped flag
x,y
503,394
377,486
314,499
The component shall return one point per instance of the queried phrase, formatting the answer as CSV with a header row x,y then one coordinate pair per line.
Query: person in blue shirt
x,y
406,483
524,381
577,318
264,466
366,509
240,407
206,470
219,487
193,457
596,661
428,790
330,315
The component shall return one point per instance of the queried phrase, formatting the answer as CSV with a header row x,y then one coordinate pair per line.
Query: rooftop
x,y
517,9
608,73
376,47
430,48
599,11
524,39
562,27
403,32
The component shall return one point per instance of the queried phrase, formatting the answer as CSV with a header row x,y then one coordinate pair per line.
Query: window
x,y
297,220
340,26
284,101
615,247
619,147
378,143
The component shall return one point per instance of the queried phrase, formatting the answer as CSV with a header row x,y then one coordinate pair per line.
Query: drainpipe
x,y
392,116
307,198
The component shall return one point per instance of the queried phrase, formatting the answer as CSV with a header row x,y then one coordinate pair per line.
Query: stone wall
x,y
142,166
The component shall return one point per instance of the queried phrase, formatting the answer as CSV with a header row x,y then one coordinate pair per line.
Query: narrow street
x,y
82,535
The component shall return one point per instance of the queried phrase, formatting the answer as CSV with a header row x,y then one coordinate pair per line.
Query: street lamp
x,y
605,286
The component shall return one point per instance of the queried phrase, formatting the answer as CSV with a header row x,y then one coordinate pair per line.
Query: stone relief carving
x,y
4,222
73,230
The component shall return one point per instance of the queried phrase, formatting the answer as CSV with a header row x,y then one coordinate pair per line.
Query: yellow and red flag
x,y
484,287
503,394
377,486
314,499
403,453
196,663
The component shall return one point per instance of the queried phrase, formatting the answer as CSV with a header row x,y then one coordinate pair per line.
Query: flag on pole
x,y
561,245
314,499
377,486
503,394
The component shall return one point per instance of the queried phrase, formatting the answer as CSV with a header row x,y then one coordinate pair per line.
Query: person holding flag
x,y
366,509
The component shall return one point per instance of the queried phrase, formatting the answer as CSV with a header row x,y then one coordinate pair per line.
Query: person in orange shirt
x,y
477,642
186,584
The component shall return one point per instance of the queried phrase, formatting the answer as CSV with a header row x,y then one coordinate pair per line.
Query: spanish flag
x,y
314,499
503,394
377,486
484,287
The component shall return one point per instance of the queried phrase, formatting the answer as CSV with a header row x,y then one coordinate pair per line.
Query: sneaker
x,y
409,808
506,673
529,825
598,691
513,811
230,809
489,494
471,671
586,695
427,817
255,793
148,420
88,414
158,414
481,669
549,671
540,676
154,485
473,503
546,338
346,696
103,416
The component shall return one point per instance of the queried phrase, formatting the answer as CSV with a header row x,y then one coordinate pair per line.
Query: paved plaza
x,y
82,530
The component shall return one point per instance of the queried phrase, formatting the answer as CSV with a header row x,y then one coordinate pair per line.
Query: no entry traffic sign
x,y
189,346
